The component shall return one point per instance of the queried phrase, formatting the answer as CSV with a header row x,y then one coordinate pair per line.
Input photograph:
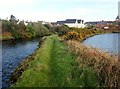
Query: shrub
x,y
41,29
31,31
48,26
62,30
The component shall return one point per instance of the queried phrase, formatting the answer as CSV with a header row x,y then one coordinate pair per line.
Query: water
x,y
13,52
106,42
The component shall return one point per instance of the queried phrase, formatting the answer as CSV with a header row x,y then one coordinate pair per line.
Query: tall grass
x,y
107,66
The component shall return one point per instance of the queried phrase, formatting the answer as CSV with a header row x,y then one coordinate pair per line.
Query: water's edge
x,y
10,62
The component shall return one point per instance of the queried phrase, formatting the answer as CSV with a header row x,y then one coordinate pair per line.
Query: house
x,y
77,23
104,24
99,24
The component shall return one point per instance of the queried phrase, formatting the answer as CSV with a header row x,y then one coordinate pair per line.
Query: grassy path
x,y
55,66
60,64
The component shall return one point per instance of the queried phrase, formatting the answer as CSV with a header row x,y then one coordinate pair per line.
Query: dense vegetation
x,y
19,30
82,33
16,29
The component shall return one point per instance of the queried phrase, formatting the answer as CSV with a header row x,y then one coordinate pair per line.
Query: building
x,y
99,24
77,23
93,23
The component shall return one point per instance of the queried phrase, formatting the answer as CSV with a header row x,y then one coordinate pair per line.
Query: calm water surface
x,y
106,42
13,53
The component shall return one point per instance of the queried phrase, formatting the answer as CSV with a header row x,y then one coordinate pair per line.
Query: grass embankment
x,y
53,65
105,65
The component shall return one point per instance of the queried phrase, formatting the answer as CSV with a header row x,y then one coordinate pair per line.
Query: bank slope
x,y
55,66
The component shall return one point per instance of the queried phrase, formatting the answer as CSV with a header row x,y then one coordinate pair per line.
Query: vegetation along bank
x,y
64,61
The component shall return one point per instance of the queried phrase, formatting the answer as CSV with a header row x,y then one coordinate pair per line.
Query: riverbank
x,y
54,65
106,65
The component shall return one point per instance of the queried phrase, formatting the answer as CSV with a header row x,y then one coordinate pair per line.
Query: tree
x,y
41,29
5,26
61,30
31,30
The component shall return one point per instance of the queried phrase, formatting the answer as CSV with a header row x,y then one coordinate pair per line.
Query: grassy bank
x,y
54,65
107,66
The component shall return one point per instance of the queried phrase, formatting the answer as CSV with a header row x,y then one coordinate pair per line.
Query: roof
x,y
91,23
70,21
99,22
79,21
61,22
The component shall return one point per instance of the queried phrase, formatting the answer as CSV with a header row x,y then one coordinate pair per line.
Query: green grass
x,y
55,66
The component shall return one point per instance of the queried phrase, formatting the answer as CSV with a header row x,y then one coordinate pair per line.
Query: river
x,y
13,53
106,42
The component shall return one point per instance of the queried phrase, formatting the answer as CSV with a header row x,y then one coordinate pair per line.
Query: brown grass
x,y
106,65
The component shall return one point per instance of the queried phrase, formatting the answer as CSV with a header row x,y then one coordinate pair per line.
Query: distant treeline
x,y
20,30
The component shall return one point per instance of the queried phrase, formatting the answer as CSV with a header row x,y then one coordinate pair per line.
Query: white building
x,y
77,23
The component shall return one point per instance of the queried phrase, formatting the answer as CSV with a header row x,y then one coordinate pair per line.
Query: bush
x,y
31,31
62,30
5,25
41,29
48,26
80,33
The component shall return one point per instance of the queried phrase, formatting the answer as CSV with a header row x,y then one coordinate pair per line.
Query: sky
x,y
54,10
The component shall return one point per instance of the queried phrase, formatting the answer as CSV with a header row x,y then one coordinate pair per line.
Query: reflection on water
x,y
106,42
13,52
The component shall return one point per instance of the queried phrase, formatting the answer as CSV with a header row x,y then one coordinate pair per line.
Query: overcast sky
x,y
53,10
